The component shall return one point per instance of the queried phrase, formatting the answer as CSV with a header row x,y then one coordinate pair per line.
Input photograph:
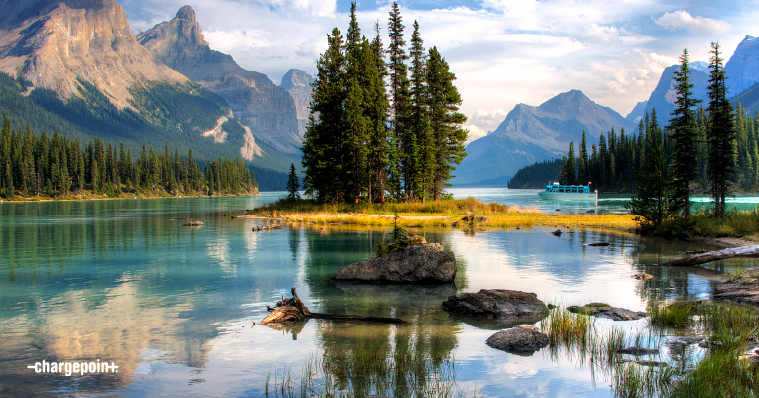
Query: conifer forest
x,y
380,130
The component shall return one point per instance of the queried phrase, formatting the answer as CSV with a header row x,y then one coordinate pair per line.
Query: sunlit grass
x,y
437,213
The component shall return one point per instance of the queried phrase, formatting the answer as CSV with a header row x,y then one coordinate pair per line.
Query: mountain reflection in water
x,y
123,281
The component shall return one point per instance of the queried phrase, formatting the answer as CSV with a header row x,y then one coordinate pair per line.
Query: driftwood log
x,y
743,251
293,310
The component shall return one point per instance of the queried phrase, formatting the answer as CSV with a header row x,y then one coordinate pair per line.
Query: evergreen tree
x,y
323,142
582,162
721,135
421,149
379,144
399,94
651,203
292,184
445,121
683,132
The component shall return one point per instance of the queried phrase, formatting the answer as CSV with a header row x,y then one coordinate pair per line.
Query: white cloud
x,y
487,120
593,34
681,19
509,52
474,133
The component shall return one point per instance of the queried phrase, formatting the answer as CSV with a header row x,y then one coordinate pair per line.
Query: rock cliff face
x,y
54,42
298,84
742,69
664,95
268,110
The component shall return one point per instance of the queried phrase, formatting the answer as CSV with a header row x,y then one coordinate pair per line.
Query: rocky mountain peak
x,y
186,13
572,99
180,37
296,78
742,69
298,84
53,43
267,109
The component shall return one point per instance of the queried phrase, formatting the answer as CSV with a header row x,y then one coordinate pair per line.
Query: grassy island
x,y
462,212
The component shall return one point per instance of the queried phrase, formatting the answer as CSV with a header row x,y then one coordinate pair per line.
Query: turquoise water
x,y
123,281
528,198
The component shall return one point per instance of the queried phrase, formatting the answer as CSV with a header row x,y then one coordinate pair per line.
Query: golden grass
x,y
434,214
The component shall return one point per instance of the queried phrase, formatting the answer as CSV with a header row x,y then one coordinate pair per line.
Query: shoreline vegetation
x,y
736,228
87,195
37,168
468,212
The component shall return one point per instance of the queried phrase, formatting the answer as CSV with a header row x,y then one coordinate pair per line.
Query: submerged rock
x,y
496,304
637,351
419,263
519,338
686,340
193,224
602,310
743,289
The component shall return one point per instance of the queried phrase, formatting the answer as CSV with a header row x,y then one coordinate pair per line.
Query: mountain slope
x,y
663,97
530,134
742,69
268,110
298,84
51,43
75,66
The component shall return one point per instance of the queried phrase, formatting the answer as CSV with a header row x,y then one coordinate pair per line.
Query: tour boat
x,y
569,192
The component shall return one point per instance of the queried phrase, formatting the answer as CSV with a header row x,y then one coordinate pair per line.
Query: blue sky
x,y
503,52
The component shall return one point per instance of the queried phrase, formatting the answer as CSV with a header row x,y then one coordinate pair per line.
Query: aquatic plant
x,y
720,374
410,368
674,314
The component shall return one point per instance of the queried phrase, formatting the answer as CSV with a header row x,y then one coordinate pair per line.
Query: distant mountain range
x,y
75,66
530,134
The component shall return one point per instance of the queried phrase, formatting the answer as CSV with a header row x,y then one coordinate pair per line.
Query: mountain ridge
x,y
532,134
267,109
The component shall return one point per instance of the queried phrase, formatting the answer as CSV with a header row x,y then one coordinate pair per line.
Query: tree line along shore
x,y
39,167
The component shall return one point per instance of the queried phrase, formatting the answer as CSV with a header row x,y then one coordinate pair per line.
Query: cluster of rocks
x,y
743,289
601,310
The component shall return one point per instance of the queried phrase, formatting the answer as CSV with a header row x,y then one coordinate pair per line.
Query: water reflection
x,y
123,281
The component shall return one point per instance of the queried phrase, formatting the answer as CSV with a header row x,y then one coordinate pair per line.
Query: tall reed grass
x,y
674,314
372,368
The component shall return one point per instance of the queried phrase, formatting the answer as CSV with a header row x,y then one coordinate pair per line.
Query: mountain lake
x,y
173,307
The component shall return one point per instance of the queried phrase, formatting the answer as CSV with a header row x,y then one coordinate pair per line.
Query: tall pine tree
x,y
721,134
683,130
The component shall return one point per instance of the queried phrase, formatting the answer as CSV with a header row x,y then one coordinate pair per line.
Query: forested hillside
x,y
175,114
537,175
55,167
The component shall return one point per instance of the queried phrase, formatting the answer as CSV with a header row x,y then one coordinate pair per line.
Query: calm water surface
x,y
123,281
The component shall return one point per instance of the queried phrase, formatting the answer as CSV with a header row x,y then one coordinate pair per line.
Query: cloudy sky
x,y
503,52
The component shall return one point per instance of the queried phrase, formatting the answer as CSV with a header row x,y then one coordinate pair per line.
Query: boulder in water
x,y
496,304
525,338
418,263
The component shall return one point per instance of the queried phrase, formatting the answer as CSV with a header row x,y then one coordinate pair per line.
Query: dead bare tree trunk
x,y
744,251
293,310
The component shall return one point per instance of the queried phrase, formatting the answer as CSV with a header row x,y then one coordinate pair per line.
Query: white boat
x,y
569,192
